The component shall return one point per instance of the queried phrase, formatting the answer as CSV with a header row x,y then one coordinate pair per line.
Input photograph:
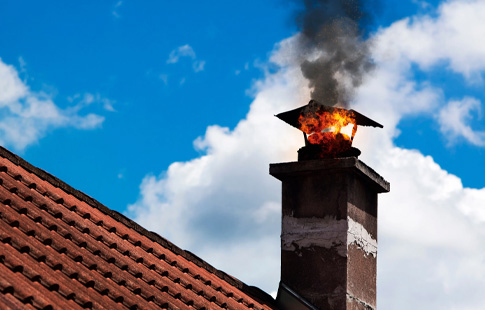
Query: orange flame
x,y
319,124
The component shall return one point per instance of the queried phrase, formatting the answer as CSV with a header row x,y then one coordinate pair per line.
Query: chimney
x,y
329,234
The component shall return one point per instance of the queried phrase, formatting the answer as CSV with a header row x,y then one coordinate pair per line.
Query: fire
x,y
318,126
323,128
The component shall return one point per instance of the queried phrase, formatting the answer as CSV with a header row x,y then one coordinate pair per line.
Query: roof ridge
x,y
253,291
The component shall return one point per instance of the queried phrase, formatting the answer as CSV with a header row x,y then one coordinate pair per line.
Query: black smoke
x,y
332,45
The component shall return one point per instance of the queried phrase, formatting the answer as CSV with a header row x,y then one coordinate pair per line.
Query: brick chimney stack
x,y
329,234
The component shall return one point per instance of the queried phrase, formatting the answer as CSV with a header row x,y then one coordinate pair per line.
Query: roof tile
x,y
33,293
62,249
8,301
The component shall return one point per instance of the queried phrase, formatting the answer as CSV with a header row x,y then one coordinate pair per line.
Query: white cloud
x,y
186,51
108,104
88,121
222,205
198,65
246,68
430,253
454,37
11,87
26,116
164,78
22,64
181,51
116,8
422,4
87,99
454,121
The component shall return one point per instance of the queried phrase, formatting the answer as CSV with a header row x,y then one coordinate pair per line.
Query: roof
x,y
61,249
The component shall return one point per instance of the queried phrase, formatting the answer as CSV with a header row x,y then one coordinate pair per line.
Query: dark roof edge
x,y
252,291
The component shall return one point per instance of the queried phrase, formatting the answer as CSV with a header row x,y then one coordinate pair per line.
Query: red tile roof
x,y
61,249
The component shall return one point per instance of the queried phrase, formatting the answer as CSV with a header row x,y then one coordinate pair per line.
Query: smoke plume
x,y
335,57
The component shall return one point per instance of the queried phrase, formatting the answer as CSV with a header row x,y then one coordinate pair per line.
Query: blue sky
x,y
131,85
119,50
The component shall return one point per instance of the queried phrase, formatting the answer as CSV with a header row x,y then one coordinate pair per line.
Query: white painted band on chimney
x,y
359,236
306,232
327,233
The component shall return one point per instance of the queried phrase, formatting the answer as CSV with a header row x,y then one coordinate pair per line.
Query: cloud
x,y
198,65
430,253
454,119
182,51
246,68
422,4
87,99
116,8
452,38
164,78
22,64
188,52
224,206
27,116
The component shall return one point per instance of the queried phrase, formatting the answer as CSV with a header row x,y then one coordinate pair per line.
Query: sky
x,y
163,110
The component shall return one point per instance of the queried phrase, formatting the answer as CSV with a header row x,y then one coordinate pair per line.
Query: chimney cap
x,y
292,117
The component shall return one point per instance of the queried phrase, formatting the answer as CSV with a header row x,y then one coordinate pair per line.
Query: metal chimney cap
x,y
291,117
